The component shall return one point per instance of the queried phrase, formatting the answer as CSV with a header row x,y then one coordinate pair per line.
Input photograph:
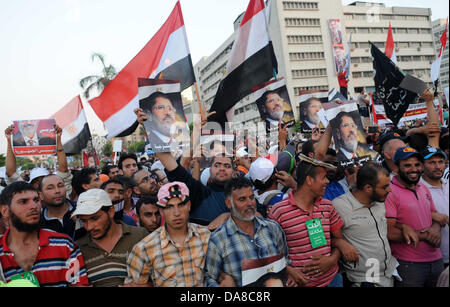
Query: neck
x,y
411,186
57,212
22,238
433,182
177,233
304,198
247,227
362,197
127,204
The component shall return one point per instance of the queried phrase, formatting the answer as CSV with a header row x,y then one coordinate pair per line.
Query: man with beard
x,y
243,236
434,166
57,211
309,116
347,139
273,109
107,245
27,135
27,251
172,255
145,184
162,124
362,211
411,203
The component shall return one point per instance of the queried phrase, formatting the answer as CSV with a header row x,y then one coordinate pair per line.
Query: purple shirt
x,y
414,209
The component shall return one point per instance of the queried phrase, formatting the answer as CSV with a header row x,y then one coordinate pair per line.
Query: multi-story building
x,y
438,30
303,45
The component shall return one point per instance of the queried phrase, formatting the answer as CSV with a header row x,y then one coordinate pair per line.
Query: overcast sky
x,y
47,44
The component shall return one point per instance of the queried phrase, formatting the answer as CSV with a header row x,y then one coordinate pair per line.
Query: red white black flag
x,y
390,46
436,66
252,61
166,56
72,120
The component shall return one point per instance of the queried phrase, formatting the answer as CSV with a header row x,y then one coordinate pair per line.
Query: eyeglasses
x,y
163,108
147,178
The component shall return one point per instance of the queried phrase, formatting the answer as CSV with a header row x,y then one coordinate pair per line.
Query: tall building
x,y
302,40
438,30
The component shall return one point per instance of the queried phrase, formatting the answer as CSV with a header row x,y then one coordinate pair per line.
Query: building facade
x,y
303,45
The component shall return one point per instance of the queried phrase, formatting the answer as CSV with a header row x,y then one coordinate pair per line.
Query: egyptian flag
x,y
252,62
72,120
166,56
390,46
436,66
387,79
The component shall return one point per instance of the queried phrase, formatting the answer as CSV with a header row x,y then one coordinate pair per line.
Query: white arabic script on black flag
x,y
387,79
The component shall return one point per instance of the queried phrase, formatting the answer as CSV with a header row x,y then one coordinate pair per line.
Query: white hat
x,y
204,177
38,172
241,152
91,201
261,169
157,165
273,149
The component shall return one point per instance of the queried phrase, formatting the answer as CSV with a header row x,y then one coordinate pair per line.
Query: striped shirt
x,y
57,258
292,219
110,269
165,263
229,245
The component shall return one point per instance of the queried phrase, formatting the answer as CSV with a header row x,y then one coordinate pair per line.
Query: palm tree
x,y
98,82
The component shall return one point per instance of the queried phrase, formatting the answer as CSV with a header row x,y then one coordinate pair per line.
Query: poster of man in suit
x,y
34,137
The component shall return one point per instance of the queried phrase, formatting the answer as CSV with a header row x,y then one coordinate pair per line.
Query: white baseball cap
x,y
91,201
261,169
38,172
157,165
241,152
204,177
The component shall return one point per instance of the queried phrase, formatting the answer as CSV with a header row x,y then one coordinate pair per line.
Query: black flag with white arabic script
x,y
387,77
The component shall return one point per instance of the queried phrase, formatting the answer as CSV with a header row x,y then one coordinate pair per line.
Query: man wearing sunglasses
x,y
172,255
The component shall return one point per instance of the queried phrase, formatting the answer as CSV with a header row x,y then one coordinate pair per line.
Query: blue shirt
x,y
229,245
334,189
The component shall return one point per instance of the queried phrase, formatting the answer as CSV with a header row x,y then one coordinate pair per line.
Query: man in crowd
x,y
314,261
172,255
434,166
128,163
116,192
243,236
389,143
107,245
362,211
145,184
410,203
85,179
58,210
112,171
30,251
148,213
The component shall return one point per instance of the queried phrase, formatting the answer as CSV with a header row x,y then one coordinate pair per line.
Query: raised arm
x,y
10,162
323,144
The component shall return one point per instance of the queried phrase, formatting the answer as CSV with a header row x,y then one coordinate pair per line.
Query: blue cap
x,y
431,151
405,153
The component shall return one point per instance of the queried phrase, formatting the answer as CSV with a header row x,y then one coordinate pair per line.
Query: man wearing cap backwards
x,y
38,173
410,203
107,245
172,255
432,178
314,248
48,258
243,236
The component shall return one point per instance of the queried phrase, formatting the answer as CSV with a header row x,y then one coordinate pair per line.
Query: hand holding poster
x,y
166,126
274,105
348,135
34,137
310,106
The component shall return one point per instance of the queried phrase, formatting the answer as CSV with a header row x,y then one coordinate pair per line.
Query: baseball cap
x,y
261,170
241,152
172,190
431,151
406,153
204,177
38,172
91,201
286,159
103,177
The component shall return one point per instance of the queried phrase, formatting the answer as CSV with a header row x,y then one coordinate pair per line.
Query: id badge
x,y
315,232
27,276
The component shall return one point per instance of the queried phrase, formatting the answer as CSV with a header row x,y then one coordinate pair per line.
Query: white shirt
x,y
34,139
347,154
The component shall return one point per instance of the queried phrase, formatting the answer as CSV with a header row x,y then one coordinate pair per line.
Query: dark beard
x,y
406,179
55,205
106,230
21,226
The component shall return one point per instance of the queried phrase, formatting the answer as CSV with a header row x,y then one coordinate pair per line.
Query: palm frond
x,y
96,85
89,79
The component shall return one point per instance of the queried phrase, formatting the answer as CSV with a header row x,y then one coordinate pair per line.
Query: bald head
x,y
391,147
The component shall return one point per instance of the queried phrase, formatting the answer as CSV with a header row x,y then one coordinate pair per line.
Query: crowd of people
x,y
164,222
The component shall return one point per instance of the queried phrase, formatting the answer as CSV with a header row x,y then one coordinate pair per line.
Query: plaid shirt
x,y
157,258
229,245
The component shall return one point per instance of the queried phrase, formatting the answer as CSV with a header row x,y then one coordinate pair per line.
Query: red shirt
x,y
292,219
57,257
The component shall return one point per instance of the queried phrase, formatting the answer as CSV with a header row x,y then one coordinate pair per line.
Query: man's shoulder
x,y
342,203
56,239
136,231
